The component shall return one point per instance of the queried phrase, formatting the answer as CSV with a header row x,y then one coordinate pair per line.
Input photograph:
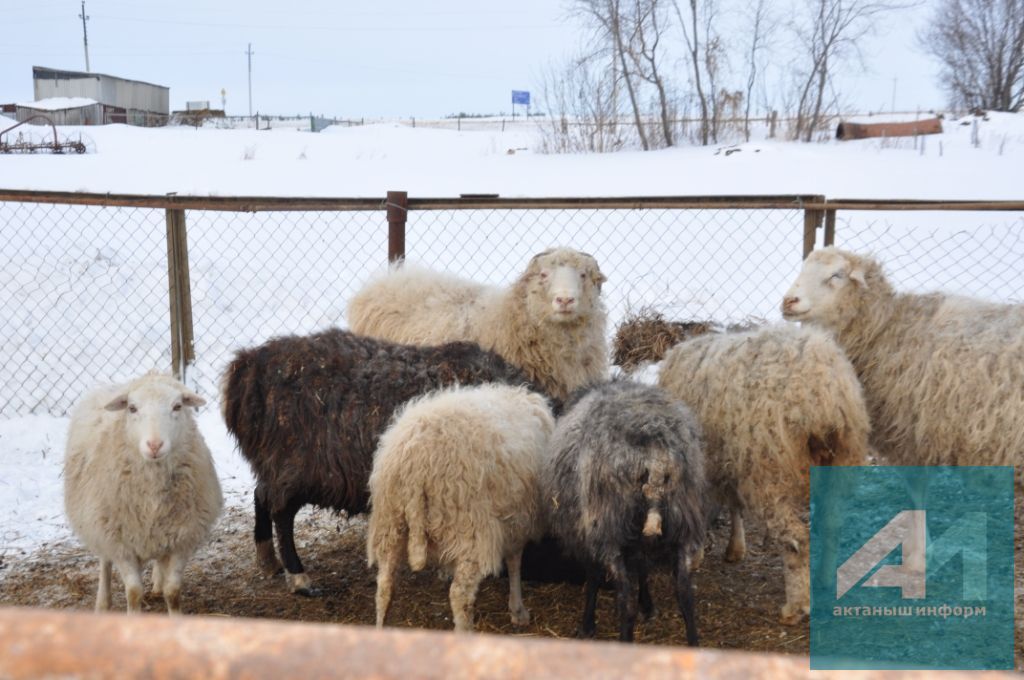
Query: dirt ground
x,y
737,604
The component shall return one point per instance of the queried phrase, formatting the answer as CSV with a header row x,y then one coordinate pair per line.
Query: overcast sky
x,y
393,58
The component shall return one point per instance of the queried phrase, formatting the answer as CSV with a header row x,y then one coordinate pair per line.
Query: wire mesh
x,y
259,275
84,290
701,264
83,301
980,254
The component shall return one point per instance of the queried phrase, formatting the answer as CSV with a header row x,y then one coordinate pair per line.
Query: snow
x,y
58,103
72,310
369,160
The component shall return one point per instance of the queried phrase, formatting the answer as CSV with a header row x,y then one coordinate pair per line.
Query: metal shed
x,y
63,111
142,103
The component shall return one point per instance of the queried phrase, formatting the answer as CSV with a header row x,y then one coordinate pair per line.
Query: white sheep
x,y
550,322
943,375
139,484
771,403
455,482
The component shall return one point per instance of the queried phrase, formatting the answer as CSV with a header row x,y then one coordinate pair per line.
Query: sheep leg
x,y
284,522
737,548
698,559
266,559
626,577
684,596
795,573
588,627
386,572
131,573
172,567
647,610
518,611
158,578
462,595
103,591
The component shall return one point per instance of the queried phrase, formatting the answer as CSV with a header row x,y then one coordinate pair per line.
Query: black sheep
x,y
624,483
307,412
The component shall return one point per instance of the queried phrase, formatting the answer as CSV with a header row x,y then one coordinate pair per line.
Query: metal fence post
x,y
830,228
180,294
397,211
812,222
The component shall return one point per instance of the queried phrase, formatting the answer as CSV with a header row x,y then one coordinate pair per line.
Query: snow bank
x,y
59,103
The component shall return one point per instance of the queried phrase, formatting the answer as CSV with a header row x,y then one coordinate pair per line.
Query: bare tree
x,y
829,36
607,18
697,57
759,28
645,50
714,64
981,46
581,99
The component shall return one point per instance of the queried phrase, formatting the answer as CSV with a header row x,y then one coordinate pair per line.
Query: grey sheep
x,y
624,486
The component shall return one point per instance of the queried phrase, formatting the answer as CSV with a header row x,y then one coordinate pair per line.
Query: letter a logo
x,y
906,529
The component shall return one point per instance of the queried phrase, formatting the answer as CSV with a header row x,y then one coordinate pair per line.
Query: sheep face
x,y
564,285
154,415
827,279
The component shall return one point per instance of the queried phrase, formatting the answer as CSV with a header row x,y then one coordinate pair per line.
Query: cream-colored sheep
x,y
139,484
771,403
550,322
943,375
455,483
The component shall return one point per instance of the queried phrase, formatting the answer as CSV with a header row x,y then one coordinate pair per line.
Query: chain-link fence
x,y
87,292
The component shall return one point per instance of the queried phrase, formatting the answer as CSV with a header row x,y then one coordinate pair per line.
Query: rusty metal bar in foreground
x,y
42,643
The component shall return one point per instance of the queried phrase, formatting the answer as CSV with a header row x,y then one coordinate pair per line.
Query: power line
x,y
249,53
85,35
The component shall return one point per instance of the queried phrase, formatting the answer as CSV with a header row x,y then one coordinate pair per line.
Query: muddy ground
x,y
737,604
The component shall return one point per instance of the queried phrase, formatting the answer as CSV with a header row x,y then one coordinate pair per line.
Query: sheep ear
x,y
858,276
190,398
118,403
540,255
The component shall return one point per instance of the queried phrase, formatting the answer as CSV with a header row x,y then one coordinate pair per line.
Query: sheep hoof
x,y
266,559
301,585
521,617
791,615
648,614
735,554
586,632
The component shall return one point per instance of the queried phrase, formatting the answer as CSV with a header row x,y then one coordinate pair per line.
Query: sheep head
x,y
828,290
562,285
155,415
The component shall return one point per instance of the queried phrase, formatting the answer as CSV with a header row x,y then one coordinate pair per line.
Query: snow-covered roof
x,y
58,103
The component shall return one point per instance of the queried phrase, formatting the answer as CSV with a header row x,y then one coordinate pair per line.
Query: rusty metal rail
x,y
815,202
38,643
56,146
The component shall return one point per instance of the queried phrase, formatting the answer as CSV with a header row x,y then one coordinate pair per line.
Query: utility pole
x,y
248,52
85,35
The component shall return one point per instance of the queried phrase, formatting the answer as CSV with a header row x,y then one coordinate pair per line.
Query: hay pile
x,y
644,337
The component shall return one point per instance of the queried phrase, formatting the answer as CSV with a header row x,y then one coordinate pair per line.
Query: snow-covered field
x,y
83,290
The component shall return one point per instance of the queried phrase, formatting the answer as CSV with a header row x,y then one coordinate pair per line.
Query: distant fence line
x,y
100,287
771,120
